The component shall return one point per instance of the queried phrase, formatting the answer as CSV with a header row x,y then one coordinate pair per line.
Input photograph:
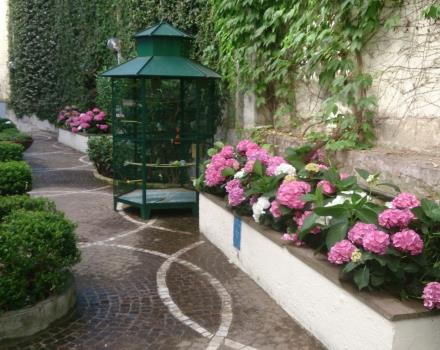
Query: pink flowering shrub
x,y
341,252
290,194
431,296
396,218
93,121
235,192
408,241
393,249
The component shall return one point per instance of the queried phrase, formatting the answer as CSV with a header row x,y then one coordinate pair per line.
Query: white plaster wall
x,y
4,70
75,141
333,315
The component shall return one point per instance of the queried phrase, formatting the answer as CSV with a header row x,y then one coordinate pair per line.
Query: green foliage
x,y
58,47
432,12
25,202
13,135
10,151
15,178
6,124
275,43
36,250
100,152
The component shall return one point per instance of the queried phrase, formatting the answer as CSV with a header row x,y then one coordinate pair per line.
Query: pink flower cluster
x,y
369,237
408,241
93,120
301,216
235,191
273,163
290,194
220,161
246,147
256,154
292,237
396,218
275,209
431,296
326,187
405,201
358,231
341,252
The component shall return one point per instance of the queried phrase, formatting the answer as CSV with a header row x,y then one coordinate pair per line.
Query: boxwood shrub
x,y
16,136
100,152
25,202
15,178
10,151
36,251
6,124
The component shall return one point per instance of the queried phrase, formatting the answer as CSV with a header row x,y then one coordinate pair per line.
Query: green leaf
x,y
363,173
335,211
362,277
350,267
258,168
431,209
376,280
226,172
309,223
366,215
212,151
336,233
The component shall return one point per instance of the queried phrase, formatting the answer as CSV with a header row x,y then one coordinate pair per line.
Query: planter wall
x,y
308,288
28,321
75,141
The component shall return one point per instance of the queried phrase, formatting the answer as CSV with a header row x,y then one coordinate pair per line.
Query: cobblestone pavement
x,y
154,284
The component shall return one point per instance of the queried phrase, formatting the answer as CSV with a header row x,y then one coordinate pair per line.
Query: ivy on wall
x,y
58,47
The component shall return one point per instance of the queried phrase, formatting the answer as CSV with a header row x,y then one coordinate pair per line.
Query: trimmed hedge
x,y
100,152
15,178
36,251
10,151
6,124
25,202
16,136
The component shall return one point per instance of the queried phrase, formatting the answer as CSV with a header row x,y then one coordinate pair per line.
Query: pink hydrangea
x,y
358,231
235,192
96,110
344,176
408,241
341,252
84,125
290,194
405,201
103,127
253,199
376,241
260,154
326,187
431,296
301,216
292,237
249,166
232,163
273,163
322,167
317,156
399,218
275,209
213,172
74,130
246,145
227,152
99,117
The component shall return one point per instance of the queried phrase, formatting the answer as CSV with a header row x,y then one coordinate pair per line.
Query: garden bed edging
x,y
308,288
75,141
30,320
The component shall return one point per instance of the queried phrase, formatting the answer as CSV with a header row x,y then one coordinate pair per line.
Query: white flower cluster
x,y
260,207
285,168
239,174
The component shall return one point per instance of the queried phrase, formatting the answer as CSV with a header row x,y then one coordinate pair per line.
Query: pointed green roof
x,y
162,29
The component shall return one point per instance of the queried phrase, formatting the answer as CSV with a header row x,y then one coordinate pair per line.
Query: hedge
x,y
24,202
36,251
13,135
10,151
100,152
15,178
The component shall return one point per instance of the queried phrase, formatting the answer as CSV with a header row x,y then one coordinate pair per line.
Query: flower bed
x,y
393,247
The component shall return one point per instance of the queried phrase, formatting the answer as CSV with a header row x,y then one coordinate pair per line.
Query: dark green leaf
x,y
363,173
258,168
226,172
366,215
336,233
362,277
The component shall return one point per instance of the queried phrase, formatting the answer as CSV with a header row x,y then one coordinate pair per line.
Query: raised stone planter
x,y
75,141
30,320
308,288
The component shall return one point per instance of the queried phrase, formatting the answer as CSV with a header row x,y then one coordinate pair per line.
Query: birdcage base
x,y
169,198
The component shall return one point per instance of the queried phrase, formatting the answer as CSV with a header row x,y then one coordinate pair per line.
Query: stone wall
x,y
4,70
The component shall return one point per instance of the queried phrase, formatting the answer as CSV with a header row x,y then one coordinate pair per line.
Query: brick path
x,y
154,284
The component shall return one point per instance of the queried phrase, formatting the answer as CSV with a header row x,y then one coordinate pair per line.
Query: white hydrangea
x,y
285,168
260,207
239,174
389,205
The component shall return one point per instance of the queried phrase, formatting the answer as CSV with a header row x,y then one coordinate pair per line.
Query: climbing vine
x,y
274,44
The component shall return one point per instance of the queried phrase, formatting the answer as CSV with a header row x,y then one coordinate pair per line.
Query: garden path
x,y
156,284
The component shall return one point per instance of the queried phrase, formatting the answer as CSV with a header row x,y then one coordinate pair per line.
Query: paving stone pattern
x,y
154,284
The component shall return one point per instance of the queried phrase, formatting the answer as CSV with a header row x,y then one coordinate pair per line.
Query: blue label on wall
x,y
237,232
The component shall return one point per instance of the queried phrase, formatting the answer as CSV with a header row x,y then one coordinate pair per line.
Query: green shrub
x,y
6,124
16,136
10,151
25,202
100,151
15,178
36,251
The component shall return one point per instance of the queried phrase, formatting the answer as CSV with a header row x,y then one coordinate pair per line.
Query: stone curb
x,y
103,178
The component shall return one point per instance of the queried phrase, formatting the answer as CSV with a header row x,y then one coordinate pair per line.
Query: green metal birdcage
x,y
164,108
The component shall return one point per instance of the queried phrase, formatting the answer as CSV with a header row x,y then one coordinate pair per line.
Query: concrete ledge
x,y
30,123
75,141
30,320
98,176
309,289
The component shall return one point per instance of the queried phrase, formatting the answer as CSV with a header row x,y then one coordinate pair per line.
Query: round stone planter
x,y
30,320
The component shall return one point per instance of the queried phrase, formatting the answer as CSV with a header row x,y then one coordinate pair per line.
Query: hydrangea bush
x,y
391,246
93,121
